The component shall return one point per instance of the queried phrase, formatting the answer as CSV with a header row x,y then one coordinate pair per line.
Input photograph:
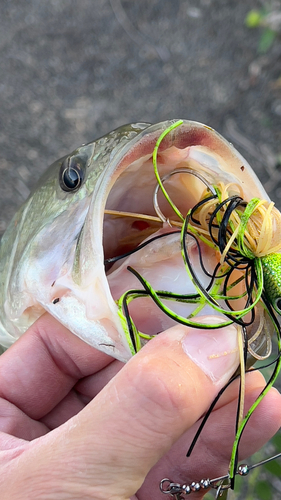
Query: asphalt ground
x,y
71,71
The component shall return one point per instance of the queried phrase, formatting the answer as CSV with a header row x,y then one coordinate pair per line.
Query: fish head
x,y
52,257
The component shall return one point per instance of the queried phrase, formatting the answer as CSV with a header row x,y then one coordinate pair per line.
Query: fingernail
x,y
214,351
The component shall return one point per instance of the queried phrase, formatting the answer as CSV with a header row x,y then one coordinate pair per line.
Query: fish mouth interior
x,y
132,215
161,263
191,146
133,193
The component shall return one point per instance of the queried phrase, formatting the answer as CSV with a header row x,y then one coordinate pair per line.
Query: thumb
x,y
107,449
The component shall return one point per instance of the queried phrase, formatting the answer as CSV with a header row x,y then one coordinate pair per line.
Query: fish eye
x,y
71,174
278,305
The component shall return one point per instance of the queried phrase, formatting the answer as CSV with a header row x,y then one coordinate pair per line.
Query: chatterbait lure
x,y
244,286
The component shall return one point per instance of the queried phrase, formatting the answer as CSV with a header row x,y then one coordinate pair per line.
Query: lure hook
x,y
167,177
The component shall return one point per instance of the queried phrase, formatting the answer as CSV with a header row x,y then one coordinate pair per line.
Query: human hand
x,y
76,424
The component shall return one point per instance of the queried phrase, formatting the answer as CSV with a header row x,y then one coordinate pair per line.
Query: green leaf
x,y
266,40
253,18
263,489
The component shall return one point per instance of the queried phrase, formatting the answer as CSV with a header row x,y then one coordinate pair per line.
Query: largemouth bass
x,y
108,198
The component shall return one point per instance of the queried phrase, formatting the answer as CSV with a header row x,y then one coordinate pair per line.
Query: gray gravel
x,y
73,70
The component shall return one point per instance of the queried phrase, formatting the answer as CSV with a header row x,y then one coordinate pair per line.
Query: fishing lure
x,y
244,287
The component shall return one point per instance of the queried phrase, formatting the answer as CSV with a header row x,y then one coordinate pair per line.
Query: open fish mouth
x,y
159,272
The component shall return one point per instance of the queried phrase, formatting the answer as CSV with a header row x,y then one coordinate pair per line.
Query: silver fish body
x,y
52,254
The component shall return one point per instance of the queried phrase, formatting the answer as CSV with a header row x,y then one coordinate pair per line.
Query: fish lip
x,y
189,133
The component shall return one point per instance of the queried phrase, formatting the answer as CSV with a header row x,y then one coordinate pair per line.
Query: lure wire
x,y
221,484
243,351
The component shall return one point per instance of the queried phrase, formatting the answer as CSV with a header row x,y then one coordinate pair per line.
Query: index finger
x,y
40,369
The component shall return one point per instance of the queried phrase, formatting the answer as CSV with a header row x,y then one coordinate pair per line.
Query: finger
x,y
40,369
113,443
90,386
15,422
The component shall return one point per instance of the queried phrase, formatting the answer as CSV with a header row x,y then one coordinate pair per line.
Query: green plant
x,y
261,19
